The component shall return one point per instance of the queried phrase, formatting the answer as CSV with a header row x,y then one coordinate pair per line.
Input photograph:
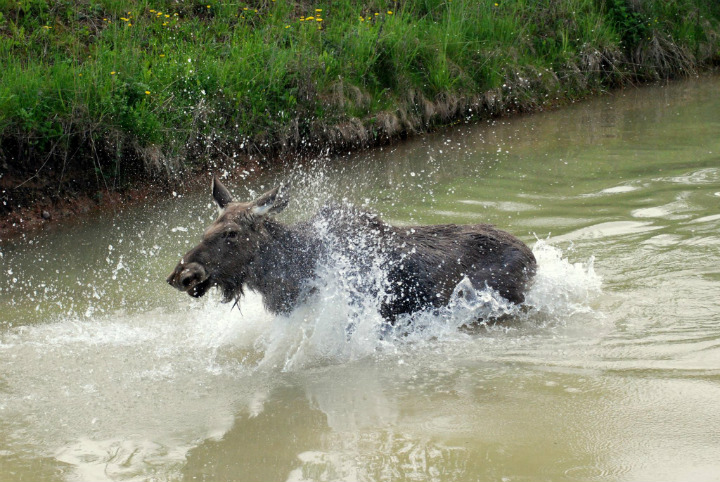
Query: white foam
x,y
608,230
706,219
562,288
619,189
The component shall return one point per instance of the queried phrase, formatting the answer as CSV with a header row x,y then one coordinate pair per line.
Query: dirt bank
x,y
47,210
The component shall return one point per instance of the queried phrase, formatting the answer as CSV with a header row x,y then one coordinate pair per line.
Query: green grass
x,y
109,91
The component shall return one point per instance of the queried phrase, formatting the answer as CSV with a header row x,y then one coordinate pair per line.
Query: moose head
x,y
230,245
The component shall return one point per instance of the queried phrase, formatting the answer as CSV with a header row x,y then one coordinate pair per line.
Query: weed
x,y
125,88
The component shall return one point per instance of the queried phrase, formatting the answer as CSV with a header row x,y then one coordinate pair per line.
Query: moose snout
x,y
186,277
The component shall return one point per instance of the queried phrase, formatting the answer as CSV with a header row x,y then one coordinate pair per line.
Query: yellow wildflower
x,y
124,19
147,92
162,55
319,19
113,72
318,9
389,12
310,18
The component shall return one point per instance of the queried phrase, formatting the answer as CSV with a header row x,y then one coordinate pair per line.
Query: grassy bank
x,y
95,94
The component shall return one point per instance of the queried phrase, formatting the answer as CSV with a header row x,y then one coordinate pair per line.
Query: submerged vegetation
x,y
97,93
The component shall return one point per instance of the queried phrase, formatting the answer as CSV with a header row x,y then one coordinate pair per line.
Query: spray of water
x,y
342,321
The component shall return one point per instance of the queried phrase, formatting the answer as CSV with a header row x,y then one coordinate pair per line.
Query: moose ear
x,y
220,193
272,201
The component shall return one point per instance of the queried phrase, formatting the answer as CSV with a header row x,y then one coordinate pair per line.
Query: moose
x,y
246,248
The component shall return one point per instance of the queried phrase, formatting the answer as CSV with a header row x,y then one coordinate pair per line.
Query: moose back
x,y
247,248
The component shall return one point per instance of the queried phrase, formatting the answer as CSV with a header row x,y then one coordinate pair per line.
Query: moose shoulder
x,y
247,248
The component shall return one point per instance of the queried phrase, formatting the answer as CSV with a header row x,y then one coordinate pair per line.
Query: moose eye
x,y
231,235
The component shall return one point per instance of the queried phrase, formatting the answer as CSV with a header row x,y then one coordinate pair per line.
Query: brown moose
x,y
247,248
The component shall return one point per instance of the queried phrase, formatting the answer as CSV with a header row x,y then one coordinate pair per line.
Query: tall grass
x,y
97,92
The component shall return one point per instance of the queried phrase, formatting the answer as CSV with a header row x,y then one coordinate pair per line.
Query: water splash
x,y
342,319
561,288
342,323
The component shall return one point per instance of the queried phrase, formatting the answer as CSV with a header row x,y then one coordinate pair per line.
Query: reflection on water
x,y
108,374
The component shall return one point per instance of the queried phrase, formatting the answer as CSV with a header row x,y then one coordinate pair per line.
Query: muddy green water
x,y
612,374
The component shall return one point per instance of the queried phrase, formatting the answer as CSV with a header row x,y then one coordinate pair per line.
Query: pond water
x,y
611,373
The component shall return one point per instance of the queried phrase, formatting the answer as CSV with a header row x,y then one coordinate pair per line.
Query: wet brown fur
x,y
246,247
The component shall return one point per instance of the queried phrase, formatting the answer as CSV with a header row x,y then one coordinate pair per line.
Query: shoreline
x,y
102,102
47,213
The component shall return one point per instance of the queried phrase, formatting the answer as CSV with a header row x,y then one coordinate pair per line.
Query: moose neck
x,y
285,261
